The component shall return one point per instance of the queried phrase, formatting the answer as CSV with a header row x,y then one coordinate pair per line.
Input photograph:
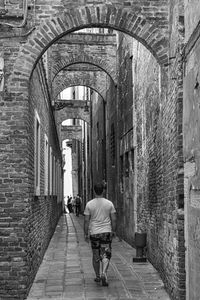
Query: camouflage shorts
x,y
101,245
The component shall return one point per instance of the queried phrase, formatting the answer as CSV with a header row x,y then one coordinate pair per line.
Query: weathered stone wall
x,y
192,17
191,131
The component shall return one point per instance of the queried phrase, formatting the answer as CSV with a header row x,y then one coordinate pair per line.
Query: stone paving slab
x,y
66,272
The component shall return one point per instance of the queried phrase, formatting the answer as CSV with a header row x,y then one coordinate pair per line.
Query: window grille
x,y
37,154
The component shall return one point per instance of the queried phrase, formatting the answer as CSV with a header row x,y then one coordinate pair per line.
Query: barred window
x,y
50,170
46,164
112,144
37,154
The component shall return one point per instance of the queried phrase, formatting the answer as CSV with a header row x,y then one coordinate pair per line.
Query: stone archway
x,y
72,113
151,34
147,32
77,58
96,82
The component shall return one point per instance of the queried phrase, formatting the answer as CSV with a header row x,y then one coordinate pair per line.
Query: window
x,y
37,154
46,164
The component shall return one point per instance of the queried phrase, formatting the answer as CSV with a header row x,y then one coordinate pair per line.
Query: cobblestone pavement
x,y
66,271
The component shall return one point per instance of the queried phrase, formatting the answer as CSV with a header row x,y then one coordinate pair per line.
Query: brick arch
x,y
65,114
133,23
78,58
96,82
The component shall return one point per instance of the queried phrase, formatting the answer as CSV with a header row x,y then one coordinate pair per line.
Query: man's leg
x,y
96,256
105,254
96,262
105,262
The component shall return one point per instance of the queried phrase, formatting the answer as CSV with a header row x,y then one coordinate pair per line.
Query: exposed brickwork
x,y
26,223
147,31
94,80
71,113
121,118
14,185
44,210
156,132
159,131
71,132
84,48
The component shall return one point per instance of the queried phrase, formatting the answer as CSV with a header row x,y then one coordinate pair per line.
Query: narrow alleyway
x,y
66,271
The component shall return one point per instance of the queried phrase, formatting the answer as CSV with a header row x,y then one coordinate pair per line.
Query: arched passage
x,y
72,113
76,58
147,33
95,81
150,34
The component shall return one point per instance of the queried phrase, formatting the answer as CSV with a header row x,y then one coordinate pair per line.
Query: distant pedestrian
x,y
100,220
78,202
69,205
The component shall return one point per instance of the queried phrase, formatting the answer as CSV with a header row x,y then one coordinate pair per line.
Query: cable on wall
x,y
25,10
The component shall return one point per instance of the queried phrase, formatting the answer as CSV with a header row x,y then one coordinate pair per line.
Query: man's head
x,y
98,188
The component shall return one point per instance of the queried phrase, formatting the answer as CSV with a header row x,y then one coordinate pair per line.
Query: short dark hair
x,y
98,188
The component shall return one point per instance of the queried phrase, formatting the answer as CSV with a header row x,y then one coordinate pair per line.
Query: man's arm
x,y
113,218
86,226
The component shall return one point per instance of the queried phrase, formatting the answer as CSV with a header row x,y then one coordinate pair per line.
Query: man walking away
x,y
69,204
100,220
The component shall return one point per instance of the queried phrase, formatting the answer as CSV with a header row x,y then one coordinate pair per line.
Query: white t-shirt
x,y
99,210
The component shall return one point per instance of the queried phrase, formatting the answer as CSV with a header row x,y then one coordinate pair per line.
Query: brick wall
x,y
45,209
94,79
15,138
45,23
93,49
14,184
150,9
154,135
26,222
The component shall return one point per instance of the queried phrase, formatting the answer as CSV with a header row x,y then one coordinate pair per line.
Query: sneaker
x,y
97,279
104,280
